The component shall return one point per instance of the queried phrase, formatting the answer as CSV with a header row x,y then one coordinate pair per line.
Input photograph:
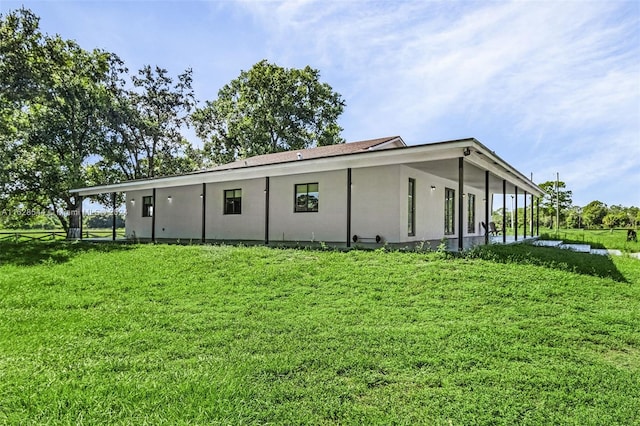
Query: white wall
x,y
329,224
376,203
137,226
249,225
379,207
181,216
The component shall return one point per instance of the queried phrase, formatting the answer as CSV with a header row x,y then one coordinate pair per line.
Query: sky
x,y
550,86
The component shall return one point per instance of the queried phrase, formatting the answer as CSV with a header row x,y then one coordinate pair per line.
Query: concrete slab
x,y
548,243
581,248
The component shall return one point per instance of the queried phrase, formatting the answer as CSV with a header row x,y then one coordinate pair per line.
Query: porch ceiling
x,y
473,175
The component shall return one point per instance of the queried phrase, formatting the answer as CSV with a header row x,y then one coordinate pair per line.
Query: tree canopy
x,y
269,109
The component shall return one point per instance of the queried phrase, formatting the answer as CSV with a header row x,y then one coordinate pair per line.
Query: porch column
x,y
153,215
486,205
538,216
504,211
80,200
113,217
349,207
525,215
460,202
531,223
515,217
266,210
204,212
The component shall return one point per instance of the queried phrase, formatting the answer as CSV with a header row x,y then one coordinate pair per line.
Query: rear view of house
x,y
369,192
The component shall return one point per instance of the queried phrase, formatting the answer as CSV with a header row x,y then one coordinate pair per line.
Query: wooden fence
x,y
20,236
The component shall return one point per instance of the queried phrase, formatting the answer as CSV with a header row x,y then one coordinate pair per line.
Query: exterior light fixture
x,y
433,187
169,198
133,201
466,152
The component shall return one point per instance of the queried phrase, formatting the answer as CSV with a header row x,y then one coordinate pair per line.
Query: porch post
x,y
204,211
460,202
525,215
266,210
153,216
80,200
504,211
515,217
538,216
531,223
113,217
349,207
486,205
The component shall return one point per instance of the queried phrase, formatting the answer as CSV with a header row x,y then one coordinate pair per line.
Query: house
x,y
371,192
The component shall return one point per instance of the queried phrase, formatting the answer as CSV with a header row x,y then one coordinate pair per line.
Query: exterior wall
x,y
376,203
379,206
249,225
430,206
181,216
328,224
137,226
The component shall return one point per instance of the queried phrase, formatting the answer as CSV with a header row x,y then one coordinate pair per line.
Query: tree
x,y
269,109
144,137
593,213
550,199
58,93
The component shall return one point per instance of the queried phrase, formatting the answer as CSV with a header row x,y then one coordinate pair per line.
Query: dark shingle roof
x,y
319,152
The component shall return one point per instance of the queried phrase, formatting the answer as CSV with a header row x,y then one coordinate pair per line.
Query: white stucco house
x,y
371,192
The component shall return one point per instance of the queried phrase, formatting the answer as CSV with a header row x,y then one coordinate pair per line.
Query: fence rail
x,y
21,236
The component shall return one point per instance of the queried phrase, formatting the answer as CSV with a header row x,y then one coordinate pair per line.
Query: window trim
x,y
449,216
295,198
237,201
411,208
147,206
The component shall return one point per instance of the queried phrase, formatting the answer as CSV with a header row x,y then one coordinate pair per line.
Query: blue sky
x,y
550,86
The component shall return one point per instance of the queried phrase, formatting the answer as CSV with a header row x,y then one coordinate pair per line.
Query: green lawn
x,y
167,334
598,238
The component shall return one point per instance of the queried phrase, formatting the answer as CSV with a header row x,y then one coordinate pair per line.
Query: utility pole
x,y
557,203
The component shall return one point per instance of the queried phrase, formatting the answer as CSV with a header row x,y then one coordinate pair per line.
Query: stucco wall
x,y
375,203
328,224
137,226
181,216
379,207
249,225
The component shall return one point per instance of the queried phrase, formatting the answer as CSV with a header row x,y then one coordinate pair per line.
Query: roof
x,y
439,158
317,152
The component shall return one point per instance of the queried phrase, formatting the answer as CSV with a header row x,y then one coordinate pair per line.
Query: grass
x,y
597,238
160,334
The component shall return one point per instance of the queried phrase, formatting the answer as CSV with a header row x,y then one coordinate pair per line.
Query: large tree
x,y
144,130
555,194
594,212
55,94
269,109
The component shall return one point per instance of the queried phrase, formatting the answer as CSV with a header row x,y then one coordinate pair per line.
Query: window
x,y
411,208
233,201
471,213
449,211
147,206
306,197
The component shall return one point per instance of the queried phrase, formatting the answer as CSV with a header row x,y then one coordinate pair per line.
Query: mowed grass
x,y
598,238
160,334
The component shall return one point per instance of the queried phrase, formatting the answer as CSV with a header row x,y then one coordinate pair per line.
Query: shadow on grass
x,y
556,258
38,252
